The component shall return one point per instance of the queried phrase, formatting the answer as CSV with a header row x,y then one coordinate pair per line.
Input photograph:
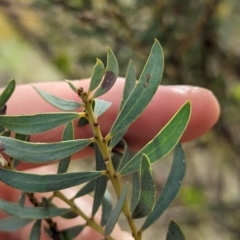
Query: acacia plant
x,y
135,199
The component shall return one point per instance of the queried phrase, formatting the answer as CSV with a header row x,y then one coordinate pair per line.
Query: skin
x,y
165,103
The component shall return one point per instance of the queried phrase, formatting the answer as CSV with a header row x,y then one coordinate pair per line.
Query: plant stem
x,y
106,153
115,179
89,221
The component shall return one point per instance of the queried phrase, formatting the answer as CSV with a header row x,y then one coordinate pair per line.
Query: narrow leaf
x,y
136,186
89,187
21,200
130,82
127,155
29,124
11,224
4,133
36,231
100,163
110,75
147,190
97,75
101,106
174,232
116,157
7,93
21,137
106,207
4,96
112,220
70,215
116,138
41,152
67,135
71,85
31,212
171,187
107,83
143,92
72,232
3,110
112,64
101,182
45,183
82,122
65,105
163,142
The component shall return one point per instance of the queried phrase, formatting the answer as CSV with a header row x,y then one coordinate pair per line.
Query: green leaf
x,y
65,105
82,122
7,93
11,224
116,157
143,92
100,163
4,132
106,207
101,106
29,124
45,183
116,138
89,187
127,155
72,232
41,152
112,220
97,75
21,137
107,83
70,84
136,185
68,134
112,64
174,232
130,83
36,230
21,200
31,212
163,142
171,187
70,215
101,182
110,75
3,110
147,190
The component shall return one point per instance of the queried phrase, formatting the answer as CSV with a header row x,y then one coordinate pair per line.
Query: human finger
x,y
167,100
165,103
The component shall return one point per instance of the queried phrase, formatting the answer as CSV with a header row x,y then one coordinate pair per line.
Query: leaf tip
x,y
98,61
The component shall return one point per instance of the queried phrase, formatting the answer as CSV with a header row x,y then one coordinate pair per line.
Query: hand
x,y
168,99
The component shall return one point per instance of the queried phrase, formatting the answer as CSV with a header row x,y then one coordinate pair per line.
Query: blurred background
x,y
47,40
